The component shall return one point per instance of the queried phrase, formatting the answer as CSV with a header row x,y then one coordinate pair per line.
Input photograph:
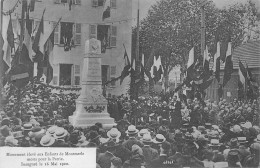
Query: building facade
x,y
82,20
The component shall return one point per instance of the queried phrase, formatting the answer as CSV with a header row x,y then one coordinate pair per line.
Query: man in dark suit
x,y
132,133
176,113
104,159
148,152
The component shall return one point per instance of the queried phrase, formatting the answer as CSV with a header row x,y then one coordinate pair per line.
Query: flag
x,y
206,59
223,50
205,84
106,11
220,90
158,74
25,59
126,69
242,74
32,5
228,70
38,39
252,84
10,34
48,52
216,66
190,65
27,39
133,64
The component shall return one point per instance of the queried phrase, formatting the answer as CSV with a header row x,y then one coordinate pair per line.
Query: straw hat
x,y
236,129
159,138
60,133
214,142
132,130
114,133
247,125
18,134
11,141
27,127
35,131
47,140
51,130
142,132
147,138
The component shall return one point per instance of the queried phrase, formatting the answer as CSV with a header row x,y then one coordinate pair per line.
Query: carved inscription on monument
x,y
94,69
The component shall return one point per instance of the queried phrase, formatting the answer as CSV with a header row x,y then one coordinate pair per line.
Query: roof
x,y
248,53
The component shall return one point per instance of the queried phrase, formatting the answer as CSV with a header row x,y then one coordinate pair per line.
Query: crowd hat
x,y
39,137
215,127
159,138
142,132
202,138
147,138
47,140
11,141
242,140
114,133
208,125
51,130
247,125
18,134
132,130
214,142
233,142
35,131
5,131
257,138
27,127
201,128
233,155
60,133
236,129
110,145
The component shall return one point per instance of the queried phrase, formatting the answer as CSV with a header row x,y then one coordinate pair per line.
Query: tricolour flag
x,y
107,9
228,70
10,34
48,53
190,64
242,74
126,69
216,66
38,39
206,59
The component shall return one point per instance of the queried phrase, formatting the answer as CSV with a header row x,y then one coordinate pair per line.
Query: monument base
x,y
89,119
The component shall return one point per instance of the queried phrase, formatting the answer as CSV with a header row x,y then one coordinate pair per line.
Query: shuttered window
x,y
56,33
77,2
77,33
92,31
113,34
113,70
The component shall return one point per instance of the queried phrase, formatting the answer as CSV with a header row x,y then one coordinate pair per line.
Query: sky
x,y
146,4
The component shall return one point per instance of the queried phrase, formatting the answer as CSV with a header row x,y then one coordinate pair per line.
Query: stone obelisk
x,y
91,106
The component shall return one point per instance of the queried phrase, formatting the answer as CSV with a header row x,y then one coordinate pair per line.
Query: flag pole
x,y
1,67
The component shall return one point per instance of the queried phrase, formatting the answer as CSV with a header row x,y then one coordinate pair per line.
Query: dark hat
x,y
208,125
93,135
5,130
233,142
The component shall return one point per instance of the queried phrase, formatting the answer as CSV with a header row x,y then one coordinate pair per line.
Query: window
x,y
105,73
92,31
96,3
77,30
57,1
65,74
64,1
113,34
113,3
113,70
56,32
102,35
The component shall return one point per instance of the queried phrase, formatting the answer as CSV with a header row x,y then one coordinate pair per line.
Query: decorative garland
x,y
11,10
59,87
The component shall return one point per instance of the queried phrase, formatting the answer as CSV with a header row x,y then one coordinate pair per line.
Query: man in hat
x,y
132,133
60,135
148,152
176,116
104,159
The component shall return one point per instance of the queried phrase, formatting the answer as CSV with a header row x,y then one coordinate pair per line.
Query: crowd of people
x,y
149,132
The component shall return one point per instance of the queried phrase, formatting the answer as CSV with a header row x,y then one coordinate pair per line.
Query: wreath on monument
x,y
92,109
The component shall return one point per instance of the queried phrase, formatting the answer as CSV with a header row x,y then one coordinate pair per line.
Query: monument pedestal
x,y
91,106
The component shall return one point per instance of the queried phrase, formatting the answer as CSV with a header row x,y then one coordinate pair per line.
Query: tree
x,y
172,28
